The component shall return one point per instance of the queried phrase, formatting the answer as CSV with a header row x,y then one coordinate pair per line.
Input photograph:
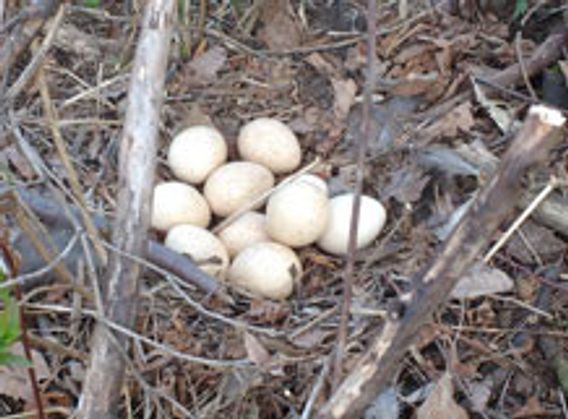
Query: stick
x,y
137,162
376,368
362,146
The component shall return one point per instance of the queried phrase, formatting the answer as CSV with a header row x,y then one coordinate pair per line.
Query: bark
x,y
137,161
376,368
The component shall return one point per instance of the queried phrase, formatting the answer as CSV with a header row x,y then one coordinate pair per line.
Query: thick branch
x,y
469,238
137,161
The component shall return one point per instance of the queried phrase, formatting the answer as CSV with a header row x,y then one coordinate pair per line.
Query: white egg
x,y
176,203
234,185
267,270
269,142
372,217
201,246
195,152
314,180
248,229
297,214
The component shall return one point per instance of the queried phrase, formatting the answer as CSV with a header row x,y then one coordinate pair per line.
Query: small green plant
x,y
521,7
92,4
9,327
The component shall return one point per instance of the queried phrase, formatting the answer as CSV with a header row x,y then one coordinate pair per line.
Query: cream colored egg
x,y
195,152
269,142
267,270
372,217
248,229
236,184
297,214
201,246
314,180
176,203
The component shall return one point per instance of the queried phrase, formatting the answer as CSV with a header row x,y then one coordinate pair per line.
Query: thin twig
x,y
364,139
52,118
176,283
552,183
316,389
216,363
23,279
38,58
493,204
521,61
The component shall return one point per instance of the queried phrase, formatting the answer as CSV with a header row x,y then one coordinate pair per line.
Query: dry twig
x,y
531,145
137,161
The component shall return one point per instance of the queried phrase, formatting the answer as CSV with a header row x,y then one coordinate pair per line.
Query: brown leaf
x,y
281,30
323,66
414,84
406,185
14,381
20,162
203,69
310,338
533,408
535,243
256,352
440,403
344,91
459,118
480,280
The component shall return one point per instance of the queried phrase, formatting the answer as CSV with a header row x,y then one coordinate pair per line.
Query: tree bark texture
x,y
137,161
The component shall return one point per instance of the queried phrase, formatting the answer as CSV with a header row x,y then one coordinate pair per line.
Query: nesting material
x,y
176,203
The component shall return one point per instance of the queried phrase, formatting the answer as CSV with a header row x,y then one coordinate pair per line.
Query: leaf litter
x,y
305,63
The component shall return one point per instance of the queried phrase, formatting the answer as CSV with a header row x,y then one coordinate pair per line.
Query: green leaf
x,y
93,4
7,358
9,322
521,7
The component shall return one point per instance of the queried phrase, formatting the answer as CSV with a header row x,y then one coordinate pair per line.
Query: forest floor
x,y
441,122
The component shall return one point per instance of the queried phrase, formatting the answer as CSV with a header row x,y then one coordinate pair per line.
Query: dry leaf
x,y
414,84
459,118
281,30
440,403
535,243
14,381
563,64
256,352
406,185
498,112
481,280
202,70
19,162
310,338
533,408
344,91
322,65
385,406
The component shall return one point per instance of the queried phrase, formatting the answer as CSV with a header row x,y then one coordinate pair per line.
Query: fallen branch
x,y
546,54
61,229
137,162
376,368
